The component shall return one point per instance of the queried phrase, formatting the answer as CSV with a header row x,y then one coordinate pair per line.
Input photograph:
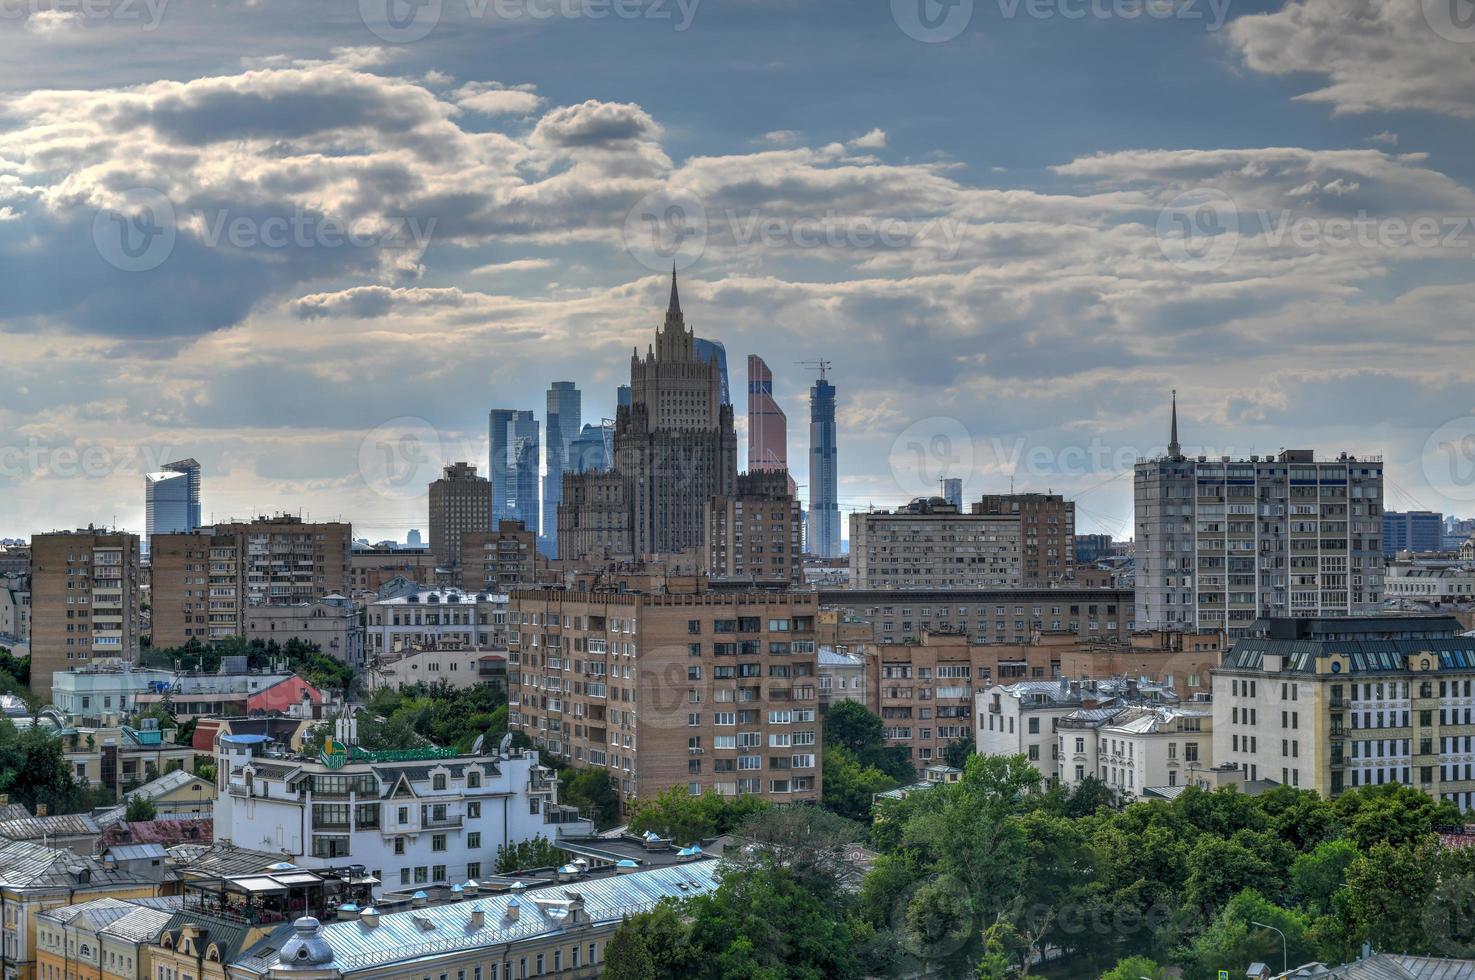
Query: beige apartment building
x,y
204,580
1047,529
706,690
460,504
498,560
1332,704
757,533
370,567
930,544
84,601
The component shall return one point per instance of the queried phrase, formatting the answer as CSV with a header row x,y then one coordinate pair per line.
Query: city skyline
x,y
1036,295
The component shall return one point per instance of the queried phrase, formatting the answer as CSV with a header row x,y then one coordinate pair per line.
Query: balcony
x,y
441,823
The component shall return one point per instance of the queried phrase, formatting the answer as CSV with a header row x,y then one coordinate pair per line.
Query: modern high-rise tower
x,y
562,427
768,428
171,499
513,466
824,495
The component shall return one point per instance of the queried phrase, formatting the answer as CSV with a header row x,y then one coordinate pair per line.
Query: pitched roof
x,y
27,865
45,828
151,790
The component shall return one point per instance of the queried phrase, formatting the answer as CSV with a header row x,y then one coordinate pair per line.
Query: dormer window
x,y
473,779
438,781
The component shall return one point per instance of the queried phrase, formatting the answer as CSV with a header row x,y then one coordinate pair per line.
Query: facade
x,y
710,690
413,818
1137,748
842,677
15,609
497,560
332,623
952,491
434,666
172,499
1021,719
436,619
1221,543
823,537
986,616
84,601
674,449
559,930
1419,531
40,879
205,581
1429,584
564,420
370,568
176,795
925,692
929,545
590,452
756,532
104,690
1335,703
104,939
1047,528
460,504
1092,547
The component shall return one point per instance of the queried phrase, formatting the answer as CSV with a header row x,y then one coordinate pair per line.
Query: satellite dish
x,y
476,746
505,745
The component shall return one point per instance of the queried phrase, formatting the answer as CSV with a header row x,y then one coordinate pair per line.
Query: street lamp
x,y
1284,955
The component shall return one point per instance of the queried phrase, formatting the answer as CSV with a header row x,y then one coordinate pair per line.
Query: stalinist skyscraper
x,y
674,448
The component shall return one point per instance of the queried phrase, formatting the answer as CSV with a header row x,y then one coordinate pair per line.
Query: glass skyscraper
x,y
824,496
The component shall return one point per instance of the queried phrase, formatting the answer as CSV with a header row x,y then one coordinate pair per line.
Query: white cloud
x,y
494,99
873,140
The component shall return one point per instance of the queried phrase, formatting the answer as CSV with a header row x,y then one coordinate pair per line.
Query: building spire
x,y
675,305
1174,449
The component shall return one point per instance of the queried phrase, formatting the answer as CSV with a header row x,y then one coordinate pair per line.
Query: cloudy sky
x,y
305,242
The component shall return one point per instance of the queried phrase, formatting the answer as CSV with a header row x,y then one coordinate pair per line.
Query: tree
x,y
140,808
850,725
850,787
677,815
957,752
537,852
1135,968
654,945
1232,939
626,956
592,790
809,842
1318,876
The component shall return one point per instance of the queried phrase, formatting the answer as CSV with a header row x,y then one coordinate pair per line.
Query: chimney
x,y
41,809
369,917
478,917
514,907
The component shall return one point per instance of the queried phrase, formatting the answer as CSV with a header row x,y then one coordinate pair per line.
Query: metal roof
x,y
58,825
26,865
1365,656
135,852
446,929
1389,966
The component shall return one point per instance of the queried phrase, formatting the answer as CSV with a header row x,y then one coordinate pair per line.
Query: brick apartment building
x,y
704,689
84,601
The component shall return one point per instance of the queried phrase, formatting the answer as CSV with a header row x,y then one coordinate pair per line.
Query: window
x,y
473,810
438,781
473,839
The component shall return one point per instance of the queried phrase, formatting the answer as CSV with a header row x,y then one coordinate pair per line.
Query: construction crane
x,y
823,366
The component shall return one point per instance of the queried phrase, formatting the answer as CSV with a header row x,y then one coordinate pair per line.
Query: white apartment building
x,y
1135,748
412,818
930,545
1223,542
842,677
104,690
15,611
1022,718
444,619
1423,583
456,668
